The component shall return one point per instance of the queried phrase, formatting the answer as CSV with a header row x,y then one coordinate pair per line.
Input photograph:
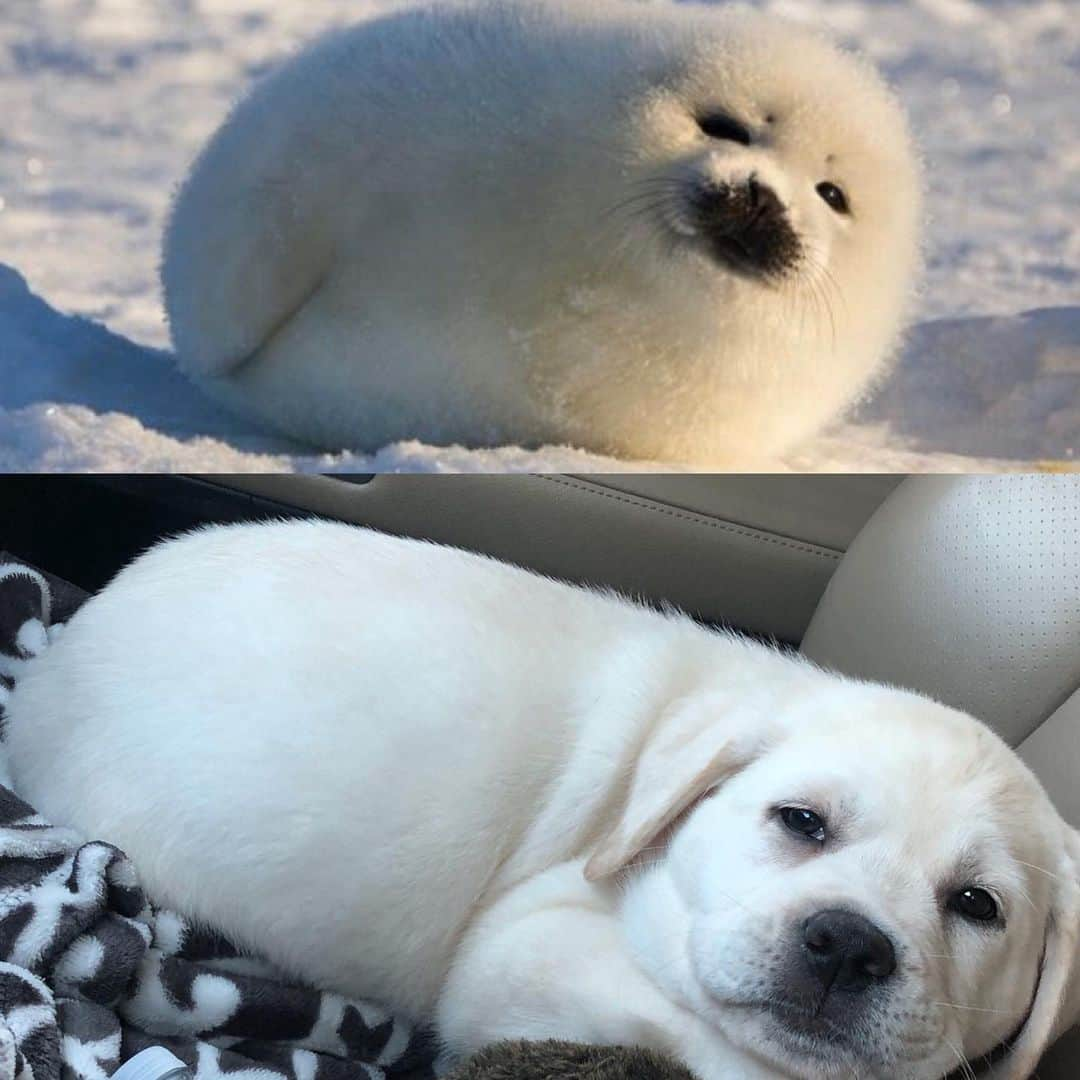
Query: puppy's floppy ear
x,y
692,747
1058,990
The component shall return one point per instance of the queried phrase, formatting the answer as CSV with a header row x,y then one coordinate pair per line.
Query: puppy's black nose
x,y
844,951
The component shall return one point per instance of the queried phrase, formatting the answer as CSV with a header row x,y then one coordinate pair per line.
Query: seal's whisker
x,y
824,305
643,211
819,266
808,300
822,283
831,279
629,201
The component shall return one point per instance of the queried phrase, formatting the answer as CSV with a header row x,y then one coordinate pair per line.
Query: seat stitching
x,y
696,519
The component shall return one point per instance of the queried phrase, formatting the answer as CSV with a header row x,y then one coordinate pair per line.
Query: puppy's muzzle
x,y
839,967
746,228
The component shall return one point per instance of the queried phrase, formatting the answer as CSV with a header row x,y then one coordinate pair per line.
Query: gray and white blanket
x,y
92,972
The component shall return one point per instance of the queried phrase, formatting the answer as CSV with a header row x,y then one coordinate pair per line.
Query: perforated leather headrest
x,y
968,589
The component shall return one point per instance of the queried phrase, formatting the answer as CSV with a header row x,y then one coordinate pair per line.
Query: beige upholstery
x,y
824,510
1053,751
754,552
968,589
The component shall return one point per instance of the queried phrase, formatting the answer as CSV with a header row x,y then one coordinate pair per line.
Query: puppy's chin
x,y
801,1047
808,1037
795,1054
799,1043
794,1043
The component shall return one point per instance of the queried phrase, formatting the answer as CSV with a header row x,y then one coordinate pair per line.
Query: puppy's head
x,y
866,884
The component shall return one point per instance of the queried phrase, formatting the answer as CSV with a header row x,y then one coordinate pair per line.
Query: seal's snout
x,y
746,227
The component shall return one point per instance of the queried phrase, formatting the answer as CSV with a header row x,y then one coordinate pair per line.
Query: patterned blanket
x,y
92,972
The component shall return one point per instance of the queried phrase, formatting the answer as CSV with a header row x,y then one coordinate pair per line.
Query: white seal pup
x,y
656,231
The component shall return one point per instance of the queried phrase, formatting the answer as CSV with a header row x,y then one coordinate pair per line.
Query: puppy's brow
x,y
993,867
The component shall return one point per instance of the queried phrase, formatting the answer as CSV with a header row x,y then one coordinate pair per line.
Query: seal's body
x,y
666,232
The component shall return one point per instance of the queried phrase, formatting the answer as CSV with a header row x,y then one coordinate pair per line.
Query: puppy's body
x,y
242,706
482,223
362,683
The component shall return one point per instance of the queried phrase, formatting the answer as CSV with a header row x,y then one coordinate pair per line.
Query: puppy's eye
x,y
975,904
834,196
803,822
718,125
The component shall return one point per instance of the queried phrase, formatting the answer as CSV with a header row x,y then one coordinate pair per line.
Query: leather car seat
x,y
968,589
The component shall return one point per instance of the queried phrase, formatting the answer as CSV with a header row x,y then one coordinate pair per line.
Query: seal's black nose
x,y
746,226
763,203
733,208
844,951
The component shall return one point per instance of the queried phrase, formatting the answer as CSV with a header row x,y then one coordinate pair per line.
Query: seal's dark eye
x,y
719,125
834,196
975,904
804,822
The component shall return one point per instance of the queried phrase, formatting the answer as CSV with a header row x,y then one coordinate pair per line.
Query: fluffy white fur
x,y
459,224
562,805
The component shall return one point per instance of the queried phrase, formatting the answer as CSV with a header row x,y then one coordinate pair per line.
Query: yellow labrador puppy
x,y
562,814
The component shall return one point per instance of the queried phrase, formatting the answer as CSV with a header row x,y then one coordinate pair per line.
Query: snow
x,y
106,101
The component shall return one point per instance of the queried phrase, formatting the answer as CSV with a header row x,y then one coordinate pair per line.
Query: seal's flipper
x,y
247,244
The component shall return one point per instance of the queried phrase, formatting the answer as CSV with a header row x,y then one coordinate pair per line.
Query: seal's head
x,y
775,155
769,205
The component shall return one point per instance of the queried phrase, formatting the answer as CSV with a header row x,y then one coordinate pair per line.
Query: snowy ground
x,y
104,102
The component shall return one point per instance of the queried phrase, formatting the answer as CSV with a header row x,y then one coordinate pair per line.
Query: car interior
x,y
965,588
